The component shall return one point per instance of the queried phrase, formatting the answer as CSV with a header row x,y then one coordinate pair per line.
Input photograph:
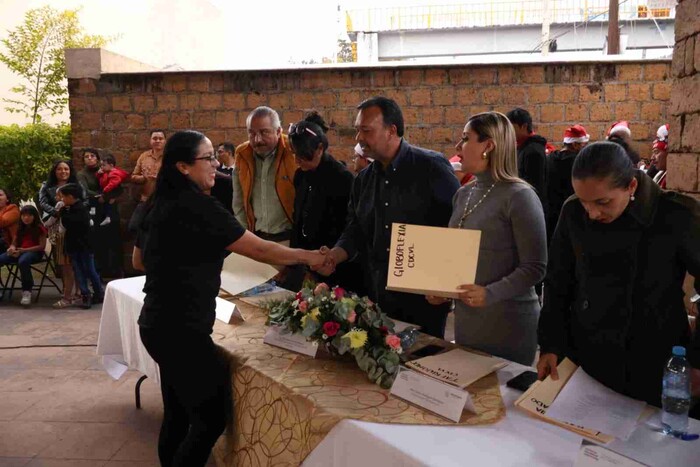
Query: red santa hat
x,y
620,128
662,133
660,145
576,134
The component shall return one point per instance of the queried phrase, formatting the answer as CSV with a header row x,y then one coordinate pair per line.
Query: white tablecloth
x,y
119,343
518,440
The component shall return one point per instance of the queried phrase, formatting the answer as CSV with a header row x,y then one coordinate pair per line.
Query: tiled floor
x,y
58,408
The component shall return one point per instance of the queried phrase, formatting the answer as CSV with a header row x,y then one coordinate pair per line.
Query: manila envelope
x,y
432,260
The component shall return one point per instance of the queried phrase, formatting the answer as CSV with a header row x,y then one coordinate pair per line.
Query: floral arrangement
x,y
343,323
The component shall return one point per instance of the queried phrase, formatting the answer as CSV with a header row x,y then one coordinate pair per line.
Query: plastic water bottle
x,y
675,397
408,337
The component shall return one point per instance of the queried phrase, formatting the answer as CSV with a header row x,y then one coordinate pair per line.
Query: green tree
x,y
346,54
34,51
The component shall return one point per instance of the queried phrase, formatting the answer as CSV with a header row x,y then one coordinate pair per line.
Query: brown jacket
x,y
9,223
285,167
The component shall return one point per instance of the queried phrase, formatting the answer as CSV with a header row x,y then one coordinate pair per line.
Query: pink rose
x,y
303,306
330,328
320,288
339,293
393,341
351,316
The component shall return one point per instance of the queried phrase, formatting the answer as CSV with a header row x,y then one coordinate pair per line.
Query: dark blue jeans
x,y
84,268
24,262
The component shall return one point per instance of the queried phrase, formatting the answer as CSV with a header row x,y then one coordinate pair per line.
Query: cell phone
x,y
523,381
427,351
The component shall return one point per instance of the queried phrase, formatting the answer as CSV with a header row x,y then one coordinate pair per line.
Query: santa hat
x,y
660,145
361,153
620,128
456,163
662,133
576,134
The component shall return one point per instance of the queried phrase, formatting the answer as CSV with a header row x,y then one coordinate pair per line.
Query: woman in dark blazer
x,y
613,299
322,190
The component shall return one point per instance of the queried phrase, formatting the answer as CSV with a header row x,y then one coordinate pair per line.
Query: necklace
x,y
468,211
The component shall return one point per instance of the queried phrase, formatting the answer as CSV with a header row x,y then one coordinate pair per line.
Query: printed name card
x,y
294,342
432,260
432,395
592,455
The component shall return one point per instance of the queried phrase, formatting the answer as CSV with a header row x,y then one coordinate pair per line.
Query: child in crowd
x,y
26,249
76,220
111,178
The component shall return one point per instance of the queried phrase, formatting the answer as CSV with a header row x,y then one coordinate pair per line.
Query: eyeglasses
x,y
211,158
295,130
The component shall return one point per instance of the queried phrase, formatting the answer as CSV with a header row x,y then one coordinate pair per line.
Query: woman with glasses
x,y
322,189
498,313
181,244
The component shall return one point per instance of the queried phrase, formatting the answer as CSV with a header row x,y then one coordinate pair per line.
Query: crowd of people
x,y
583,253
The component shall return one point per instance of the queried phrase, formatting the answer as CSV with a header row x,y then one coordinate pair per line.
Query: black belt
x,y
278,237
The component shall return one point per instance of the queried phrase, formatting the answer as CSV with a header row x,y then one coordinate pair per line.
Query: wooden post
x,y
613,28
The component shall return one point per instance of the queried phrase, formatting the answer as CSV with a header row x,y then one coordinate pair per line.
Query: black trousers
x,y
196,386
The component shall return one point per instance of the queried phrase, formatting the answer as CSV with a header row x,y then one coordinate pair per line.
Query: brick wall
x,y
683,163
116,111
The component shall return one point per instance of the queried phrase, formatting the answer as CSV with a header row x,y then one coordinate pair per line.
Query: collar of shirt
x,y
396,162
265,156
226,167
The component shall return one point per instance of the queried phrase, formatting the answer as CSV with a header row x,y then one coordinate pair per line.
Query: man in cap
x,y
360,160
659,156
559,165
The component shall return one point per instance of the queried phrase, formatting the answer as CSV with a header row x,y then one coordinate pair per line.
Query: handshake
x,y
325,260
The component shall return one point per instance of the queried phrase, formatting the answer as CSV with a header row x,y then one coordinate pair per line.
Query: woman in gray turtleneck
x,y
499,313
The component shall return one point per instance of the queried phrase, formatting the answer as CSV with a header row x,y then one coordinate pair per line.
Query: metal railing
x,y
499,13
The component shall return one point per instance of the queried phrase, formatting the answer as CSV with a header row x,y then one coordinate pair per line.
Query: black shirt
x,y
320,204
223,188
76,221
416,188
183,243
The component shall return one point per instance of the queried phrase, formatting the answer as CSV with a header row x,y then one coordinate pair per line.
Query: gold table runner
x,y
286,403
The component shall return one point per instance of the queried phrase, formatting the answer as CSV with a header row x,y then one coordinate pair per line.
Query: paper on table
x,y
537,400
586,402
457,367
241,273
276,293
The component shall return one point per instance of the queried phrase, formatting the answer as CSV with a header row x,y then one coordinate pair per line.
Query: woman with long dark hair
x,y
613,299
61,174
181,244
9,220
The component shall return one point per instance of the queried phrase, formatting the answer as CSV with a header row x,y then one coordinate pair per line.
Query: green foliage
x,y
34,51
27,154
346,52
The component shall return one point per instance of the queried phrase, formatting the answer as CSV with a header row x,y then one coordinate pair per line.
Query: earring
x,y
485,155
632,197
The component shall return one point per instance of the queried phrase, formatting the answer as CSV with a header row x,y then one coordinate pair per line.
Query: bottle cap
x,y
679,351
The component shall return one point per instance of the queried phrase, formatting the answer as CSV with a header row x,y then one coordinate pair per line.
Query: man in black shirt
x,y
223,184
532,160
404,184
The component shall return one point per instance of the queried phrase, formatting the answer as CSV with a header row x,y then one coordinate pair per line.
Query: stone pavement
x,y
58,408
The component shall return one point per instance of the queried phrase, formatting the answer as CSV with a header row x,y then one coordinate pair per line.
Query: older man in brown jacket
x,y
263,180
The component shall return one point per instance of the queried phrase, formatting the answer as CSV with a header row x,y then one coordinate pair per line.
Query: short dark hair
x,y
519,116
228,147
604,160
391,112
71,189
94,151
158,130
108,158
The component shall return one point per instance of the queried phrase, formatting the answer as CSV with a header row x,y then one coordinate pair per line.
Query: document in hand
x,y
241,273
586,402
537,401
432,260
457,367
